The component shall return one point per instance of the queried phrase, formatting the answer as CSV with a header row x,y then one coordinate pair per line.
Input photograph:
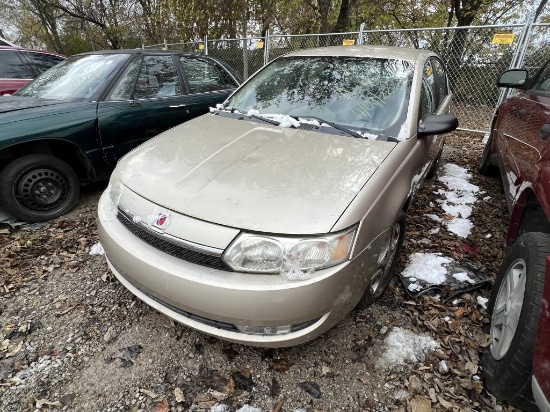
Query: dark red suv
x,y
19,66
516,366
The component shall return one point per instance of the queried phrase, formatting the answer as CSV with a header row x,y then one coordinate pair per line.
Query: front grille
x,y
180,252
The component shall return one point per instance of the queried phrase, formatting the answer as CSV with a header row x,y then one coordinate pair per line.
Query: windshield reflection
x,y
364,94
76,79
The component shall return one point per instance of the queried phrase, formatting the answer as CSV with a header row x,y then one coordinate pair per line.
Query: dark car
x,y
19,66
517,365
71,124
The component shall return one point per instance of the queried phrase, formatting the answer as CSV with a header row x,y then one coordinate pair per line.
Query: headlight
x,y
114,189
276,254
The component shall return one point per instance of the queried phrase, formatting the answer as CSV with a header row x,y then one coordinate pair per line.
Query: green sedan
x,y
71,125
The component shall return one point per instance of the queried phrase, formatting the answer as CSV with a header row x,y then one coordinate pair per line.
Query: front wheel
x,y
514,309
388,257
38,187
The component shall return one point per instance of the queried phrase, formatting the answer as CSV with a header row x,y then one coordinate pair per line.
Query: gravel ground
x,y
72,338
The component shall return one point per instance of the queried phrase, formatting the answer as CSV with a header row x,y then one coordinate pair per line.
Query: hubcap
x,y
386,260
507,309
42,190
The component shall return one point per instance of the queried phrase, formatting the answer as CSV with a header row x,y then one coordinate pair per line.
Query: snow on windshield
x,y
366,95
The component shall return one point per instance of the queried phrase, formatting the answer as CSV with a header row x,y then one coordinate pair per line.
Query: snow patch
x,y
404,132
97,249
458,199
219,407
463,277
248,408
481,301
404,346
429,267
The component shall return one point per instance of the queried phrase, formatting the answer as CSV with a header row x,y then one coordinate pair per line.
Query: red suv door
x,y
526,134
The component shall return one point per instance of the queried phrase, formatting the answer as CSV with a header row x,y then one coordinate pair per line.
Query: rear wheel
x,y
38,187
382,277
514,309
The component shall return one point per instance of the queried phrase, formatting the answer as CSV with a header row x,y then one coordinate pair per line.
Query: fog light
x,y
264,330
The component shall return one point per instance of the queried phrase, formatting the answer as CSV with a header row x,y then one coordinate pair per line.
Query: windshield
x,y
364,94
77,78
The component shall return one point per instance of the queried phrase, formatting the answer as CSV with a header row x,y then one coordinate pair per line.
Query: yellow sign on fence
x,y
503,38
259,44
201,46
348,42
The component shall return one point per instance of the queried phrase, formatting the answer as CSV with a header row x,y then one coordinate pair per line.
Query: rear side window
x,y
158,77
42,61
205,75
12,67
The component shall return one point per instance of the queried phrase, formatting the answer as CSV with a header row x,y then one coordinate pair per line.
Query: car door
x,y
525,134
147,99
207,81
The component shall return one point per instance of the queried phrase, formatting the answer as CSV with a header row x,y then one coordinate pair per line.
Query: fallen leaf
x,y
281,365
161,406
312,388
420,404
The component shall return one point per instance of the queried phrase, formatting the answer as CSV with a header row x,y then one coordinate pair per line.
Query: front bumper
x,y
213,301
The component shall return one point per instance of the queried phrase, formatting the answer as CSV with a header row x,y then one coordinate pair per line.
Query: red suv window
x,y
12,67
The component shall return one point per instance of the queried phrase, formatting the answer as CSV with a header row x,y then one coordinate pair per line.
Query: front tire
x,y
382,278
514,309
38,187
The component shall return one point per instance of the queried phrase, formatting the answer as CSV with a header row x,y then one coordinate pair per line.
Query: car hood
x,y
253,176
13,103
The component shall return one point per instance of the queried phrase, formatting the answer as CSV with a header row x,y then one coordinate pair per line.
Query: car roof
x,y
143,51
30,50
388,52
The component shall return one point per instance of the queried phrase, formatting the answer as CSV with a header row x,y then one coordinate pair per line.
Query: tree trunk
x,y
343,22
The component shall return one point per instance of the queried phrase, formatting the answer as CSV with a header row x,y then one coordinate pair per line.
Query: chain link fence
x,y
474,57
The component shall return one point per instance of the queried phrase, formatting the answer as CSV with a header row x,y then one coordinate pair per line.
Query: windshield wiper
x,y
265,119
334,125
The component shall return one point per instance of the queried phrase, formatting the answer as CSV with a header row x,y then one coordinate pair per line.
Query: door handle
x,y
544,131
177,105
521,113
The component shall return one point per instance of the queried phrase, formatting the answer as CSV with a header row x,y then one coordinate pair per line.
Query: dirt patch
x,y
72,338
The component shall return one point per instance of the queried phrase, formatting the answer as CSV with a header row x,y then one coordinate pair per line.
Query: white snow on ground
x,y
481,301
404,346
463,277
458,199
219,407
459,226
435,217
97,249
429,267
248,408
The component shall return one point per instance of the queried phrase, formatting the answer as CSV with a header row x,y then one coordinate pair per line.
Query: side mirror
x,y
437,124
515,78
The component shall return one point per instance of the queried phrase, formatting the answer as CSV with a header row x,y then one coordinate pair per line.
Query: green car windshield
x,y
369,95
78,78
